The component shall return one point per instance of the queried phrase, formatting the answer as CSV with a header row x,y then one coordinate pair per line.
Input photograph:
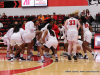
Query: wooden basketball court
x,y
63,67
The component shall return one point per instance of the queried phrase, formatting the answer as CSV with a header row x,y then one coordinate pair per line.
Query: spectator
x,y
47,17
88,13
23,24
1,25
54,16
41,17
3,16
76,14
82,13
66,17
60,17
98,30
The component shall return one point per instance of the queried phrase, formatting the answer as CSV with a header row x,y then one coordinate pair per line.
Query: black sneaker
x,y
56,60
22,59
77,54
69,57
80,54
75,58
85,57
11,59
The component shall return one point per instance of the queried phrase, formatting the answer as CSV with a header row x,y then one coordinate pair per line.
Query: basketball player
x,y
6,40
17,42
72,34
87,36
63,29
30,34
52,42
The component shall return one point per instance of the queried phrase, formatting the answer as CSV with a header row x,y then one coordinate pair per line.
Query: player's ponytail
x,y
83,19
49,27
17,28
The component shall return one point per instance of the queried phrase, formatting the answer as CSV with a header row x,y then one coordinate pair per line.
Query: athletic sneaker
x,y
49,55
95,55
85,57
80,55
11,59
29,59
75,58
56,60
22,59
69,57
62,54
38,55
41,61
65,55
7,55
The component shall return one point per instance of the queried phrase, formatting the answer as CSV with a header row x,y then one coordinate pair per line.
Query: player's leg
x,y
66,49
69,49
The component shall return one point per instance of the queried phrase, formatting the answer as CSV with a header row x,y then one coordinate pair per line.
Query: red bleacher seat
x,y
33,15
7,20
27,16
15,17
2,30
21,17
3,23
18,20
44,15
1,20
59,21
7,30
5,26
10,17
25,19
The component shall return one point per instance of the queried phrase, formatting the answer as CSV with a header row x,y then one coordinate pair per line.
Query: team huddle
x,y
46,40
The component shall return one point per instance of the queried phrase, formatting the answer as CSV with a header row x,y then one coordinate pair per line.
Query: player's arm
x,y
78,25
82,32
45,33
91,29
65,25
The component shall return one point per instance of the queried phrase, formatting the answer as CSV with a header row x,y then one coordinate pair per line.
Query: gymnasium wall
x,y
58,6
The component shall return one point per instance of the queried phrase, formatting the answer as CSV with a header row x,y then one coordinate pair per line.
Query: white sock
x,y
44,53
28,56
92,52
68,53
21,55
7,52
55,55
85,53
75,53
38,52
64,52
11,55
42,57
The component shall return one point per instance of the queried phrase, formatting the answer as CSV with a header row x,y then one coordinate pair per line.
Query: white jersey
x,y
86,27
45,28
8,34
18,35
72,24
29,27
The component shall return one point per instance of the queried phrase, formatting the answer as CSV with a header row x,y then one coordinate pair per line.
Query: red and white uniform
x,y
30,32
87,33
7,36
72,32
52,41
17,37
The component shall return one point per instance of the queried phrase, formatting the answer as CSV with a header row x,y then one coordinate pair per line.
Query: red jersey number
x,y
72,22
86,26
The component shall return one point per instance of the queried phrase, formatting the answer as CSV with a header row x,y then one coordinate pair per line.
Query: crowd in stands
x,y
6,22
